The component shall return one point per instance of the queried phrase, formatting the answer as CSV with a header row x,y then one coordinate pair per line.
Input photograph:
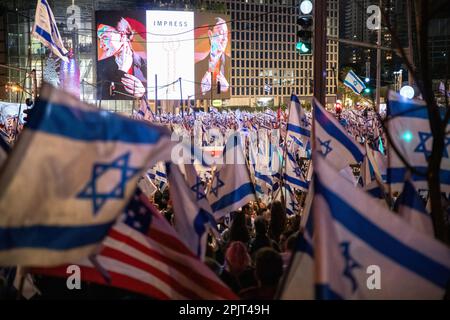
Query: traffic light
x,y
218,87
305,28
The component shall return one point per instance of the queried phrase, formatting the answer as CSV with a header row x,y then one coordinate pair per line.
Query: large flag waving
x,y
68,177
364,251
142,253
354,82
409,128
332,140
46,30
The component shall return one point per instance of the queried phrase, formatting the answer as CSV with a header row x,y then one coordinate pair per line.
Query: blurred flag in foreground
x,y
364,251
143,254
68,177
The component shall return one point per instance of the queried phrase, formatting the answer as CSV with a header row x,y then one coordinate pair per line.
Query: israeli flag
x,y
192,213
298,127
46,31
409,127
298,283
363,251
231,187
353,82
412,208
332,140
295,175
68,177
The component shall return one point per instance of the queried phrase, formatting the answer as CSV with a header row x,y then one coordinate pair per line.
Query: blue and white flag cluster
x,y
332,140
409,127
68,177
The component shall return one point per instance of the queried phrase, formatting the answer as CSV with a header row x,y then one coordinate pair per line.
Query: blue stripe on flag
x,y
411,199
233,197
44,34
397,175
67,237
90,125
304,246
357,79
382,241
407,109
263,177
299,130
351,86
295,99
296,181
337,134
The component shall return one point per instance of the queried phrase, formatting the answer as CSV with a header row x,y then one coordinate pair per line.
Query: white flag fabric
x,y
363,251
299,281
46,31
354,82
231,187
69,175
409,127
332,140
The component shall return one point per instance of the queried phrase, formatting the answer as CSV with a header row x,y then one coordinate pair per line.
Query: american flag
x,y
143,254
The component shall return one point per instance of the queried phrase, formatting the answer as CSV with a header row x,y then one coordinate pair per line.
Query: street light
x,y
407,92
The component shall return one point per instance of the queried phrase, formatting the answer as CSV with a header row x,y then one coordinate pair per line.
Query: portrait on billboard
x,y
121,55
212,56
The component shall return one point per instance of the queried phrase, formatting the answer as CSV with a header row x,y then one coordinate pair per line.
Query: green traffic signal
x,y
367,90
303,47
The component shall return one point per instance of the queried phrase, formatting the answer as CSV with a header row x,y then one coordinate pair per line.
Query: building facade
x,y
266,67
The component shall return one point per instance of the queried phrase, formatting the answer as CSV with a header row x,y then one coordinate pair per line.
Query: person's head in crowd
x,y
213,265
291,242
246,209
237,257
260,226
268,267
238,229
277,221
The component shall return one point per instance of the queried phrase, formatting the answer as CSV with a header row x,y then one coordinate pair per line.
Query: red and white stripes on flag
x,y
143,254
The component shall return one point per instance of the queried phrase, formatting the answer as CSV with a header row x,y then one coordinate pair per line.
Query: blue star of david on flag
x,y
197,188
350,264
298,171
326,145
422,148
91,192
218,184
304,121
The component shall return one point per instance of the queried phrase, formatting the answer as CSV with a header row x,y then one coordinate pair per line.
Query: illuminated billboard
x,y
133,47
212,56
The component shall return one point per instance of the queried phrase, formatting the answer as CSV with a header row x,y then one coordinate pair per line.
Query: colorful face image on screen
x,y
121,55
212,56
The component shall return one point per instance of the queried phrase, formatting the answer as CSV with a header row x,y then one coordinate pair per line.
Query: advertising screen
x,y
121,55
212,56
170,48
135,46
